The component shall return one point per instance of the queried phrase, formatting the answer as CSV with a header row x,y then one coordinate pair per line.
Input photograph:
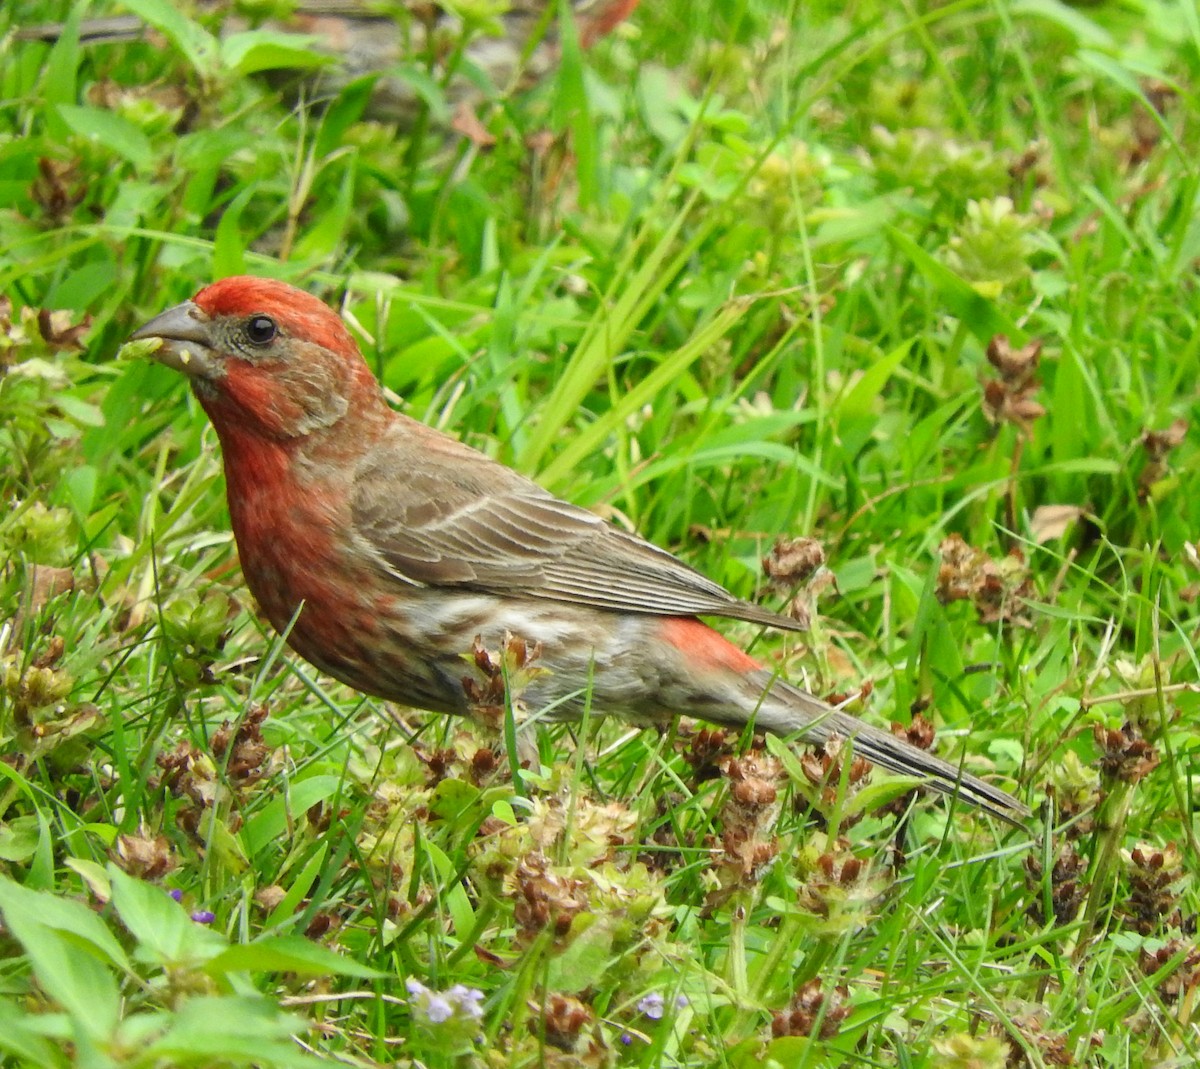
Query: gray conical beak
x,y
185,332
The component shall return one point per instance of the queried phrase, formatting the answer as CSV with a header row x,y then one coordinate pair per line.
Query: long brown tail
x,y
786,710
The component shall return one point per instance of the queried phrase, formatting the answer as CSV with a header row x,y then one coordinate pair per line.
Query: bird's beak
x,y
185,333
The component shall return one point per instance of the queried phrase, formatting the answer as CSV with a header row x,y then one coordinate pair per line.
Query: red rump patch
x,y
704,647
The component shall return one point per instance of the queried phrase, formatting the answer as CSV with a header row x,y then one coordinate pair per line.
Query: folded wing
x,y
497,532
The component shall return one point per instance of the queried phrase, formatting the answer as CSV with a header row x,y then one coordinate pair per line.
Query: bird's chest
x,y
294,543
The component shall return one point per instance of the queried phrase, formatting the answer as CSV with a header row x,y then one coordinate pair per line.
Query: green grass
x,y
728,277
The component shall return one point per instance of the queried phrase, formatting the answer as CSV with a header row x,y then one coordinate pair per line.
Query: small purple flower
x,y
626,1039
459,1003
652,1006
468,1000
437,1008
204,916
176,894
681,1002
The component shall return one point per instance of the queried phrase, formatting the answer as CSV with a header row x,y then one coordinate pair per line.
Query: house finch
x,y
391,550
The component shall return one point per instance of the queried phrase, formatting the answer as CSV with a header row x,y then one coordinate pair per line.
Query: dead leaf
x,y
1053,521
467,123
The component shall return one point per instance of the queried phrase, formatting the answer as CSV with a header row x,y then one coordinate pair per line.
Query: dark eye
x,y
261,330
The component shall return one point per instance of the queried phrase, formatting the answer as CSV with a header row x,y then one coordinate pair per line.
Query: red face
x,y
264,357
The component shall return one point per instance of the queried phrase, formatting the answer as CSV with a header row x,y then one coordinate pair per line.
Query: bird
x,y
386,551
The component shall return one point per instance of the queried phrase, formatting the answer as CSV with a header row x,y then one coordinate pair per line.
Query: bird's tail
x,y
786,710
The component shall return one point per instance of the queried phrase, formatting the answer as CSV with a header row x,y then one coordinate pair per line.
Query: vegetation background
x,y
917,281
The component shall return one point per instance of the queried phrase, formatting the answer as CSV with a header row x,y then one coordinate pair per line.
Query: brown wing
x,y
438,513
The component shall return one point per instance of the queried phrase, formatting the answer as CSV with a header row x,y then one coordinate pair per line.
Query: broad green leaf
x,y
343,113
586,956
113,131
453,894
67,970
69,916
166,934
288,953
860,399
1074,21
268,825
83,413
230,243
979,315
60,74
18,839
327,233
573,107
261,50
197,45
25,1044
300,888
240,1030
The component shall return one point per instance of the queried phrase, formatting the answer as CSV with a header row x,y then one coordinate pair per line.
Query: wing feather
x,y
453,517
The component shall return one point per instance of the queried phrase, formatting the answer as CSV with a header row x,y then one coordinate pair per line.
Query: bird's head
x,y
264,358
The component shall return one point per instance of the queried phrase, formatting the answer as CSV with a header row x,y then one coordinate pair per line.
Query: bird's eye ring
x,y
261,330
